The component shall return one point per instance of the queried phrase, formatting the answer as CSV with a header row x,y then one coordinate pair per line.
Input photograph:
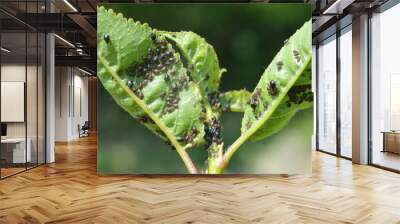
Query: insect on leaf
x,y
146,77
201,61
268,109
200,57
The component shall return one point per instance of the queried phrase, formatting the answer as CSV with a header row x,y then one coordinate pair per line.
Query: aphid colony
x,y
299,94
213,132
256,97
160,60
189,136
214,99
272,89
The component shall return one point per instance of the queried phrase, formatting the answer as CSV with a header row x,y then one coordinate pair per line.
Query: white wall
x,y
71,102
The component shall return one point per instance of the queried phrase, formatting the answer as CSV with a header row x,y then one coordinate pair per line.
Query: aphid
x,y
140,68
168,53
215,130
170,144
130,84
174,87
144,119
226,107
153,36
271,88
155,58
167,78
143,84
253,102
180,138
150,76
214,99
189,138
106,37
265,105
248,125
296,55
285,41
255,98
172,60
279,65
139,94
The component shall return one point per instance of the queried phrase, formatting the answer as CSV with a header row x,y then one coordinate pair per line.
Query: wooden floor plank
x,y
70,191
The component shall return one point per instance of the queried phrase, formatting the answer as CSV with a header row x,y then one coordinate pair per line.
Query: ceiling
x,y
74,21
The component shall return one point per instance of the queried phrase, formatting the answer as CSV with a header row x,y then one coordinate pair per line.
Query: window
x,y
385,89
327,95
346,92
22,77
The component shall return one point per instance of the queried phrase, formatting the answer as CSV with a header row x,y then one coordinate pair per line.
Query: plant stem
x,y
181,151
215,158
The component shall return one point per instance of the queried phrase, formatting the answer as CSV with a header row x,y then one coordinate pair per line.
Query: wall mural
x,y
204,88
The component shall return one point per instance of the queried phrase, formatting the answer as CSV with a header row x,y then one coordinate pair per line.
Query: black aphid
x,y
214,99
140,68
130,84
271,88
279,65
139,94
255,98
153,36
106,38
215,130
296,55
168,53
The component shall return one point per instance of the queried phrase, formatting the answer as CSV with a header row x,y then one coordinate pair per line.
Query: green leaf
x,y
235,100
273,90
200,57
151,84
128,40
300,97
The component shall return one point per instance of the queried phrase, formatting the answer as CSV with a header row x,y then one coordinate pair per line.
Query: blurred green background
x,y
246,37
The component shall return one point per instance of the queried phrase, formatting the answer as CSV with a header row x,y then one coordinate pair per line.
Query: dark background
x,y
246,37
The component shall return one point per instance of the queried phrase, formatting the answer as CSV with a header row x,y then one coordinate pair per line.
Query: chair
x,y
84,130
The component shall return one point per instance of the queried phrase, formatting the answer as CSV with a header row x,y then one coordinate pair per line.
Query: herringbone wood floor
x,y
70,191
